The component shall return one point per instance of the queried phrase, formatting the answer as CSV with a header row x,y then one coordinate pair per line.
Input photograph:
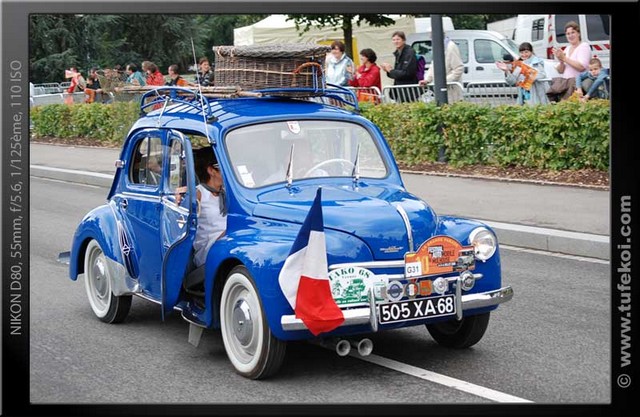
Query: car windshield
x,y
260,154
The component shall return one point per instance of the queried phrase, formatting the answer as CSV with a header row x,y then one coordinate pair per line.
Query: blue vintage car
x,y
392,262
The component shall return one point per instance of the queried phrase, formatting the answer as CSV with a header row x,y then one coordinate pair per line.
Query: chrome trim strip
x,y
351,317
146,297
458,299
146,197
487,299
373,310
173,206
407,225
364,315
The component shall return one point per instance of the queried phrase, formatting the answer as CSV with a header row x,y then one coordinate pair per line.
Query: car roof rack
x,y
336,93
194,99
160,97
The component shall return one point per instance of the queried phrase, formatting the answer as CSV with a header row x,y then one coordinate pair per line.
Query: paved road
x,y
560,219
550,344
556,207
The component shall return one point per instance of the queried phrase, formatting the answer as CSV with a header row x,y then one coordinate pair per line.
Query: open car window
x,y
260,154
146,166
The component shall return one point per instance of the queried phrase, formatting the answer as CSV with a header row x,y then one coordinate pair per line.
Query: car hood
x,y
367,212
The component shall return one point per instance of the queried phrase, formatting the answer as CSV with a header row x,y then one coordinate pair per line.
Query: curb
x,y
530,237
97,179
551,240
505,179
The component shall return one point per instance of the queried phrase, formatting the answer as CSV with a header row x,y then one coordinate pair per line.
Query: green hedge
x,y
105,123
567,135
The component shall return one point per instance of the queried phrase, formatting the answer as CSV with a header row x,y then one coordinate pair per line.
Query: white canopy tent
x,y
276,29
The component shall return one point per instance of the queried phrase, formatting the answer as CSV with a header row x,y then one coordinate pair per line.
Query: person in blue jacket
x,y
592,83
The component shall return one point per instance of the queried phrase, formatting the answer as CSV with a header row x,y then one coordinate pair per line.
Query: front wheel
x,y
106,306
460,334
254,352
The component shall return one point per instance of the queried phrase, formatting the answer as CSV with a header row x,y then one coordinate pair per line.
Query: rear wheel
x,y
460,334
106,306
254,352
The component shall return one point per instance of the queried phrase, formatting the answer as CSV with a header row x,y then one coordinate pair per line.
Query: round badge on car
x,y
395,291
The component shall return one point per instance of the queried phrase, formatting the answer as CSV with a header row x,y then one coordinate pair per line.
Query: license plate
x,y
416,309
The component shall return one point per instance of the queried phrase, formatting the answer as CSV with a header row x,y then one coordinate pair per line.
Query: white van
x,y
479,50
546,31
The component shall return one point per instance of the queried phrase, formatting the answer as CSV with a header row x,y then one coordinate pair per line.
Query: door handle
x,y
466,70
181,221
124,204
479,68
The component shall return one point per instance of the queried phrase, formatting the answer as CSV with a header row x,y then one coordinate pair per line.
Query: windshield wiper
x,y
289,177
356,166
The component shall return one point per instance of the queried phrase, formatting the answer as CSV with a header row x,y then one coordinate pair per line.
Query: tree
x,y
343,21
476,21
60,41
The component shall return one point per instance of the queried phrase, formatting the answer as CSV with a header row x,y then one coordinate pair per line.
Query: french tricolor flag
x,y
304,277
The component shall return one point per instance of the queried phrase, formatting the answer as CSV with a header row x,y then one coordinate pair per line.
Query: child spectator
x,y
537,93
93,86
591,84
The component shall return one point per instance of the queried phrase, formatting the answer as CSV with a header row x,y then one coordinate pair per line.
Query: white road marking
x,y
555,254
79,184
447,381
590,237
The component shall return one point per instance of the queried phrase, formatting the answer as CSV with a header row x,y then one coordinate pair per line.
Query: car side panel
x,y
101,224
262,246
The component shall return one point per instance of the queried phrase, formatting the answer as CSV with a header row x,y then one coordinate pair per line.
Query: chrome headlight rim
x,y
483,233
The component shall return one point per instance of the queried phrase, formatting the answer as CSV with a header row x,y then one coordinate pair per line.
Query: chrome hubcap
x,y
97,281
99,278
241,322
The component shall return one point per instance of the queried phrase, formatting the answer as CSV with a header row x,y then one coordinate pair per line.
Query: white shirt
x,y
211,224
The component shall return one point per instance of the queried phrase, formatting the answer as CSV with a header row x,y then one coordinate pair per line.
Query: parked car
x,y
392,262
479,50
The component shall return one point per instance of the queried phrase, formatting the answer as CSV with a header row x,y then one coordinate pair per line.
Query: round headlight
x,y
484,243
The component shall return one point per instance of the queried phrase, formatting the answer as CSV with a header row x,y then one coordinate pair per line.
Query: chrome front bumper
x,y
364,315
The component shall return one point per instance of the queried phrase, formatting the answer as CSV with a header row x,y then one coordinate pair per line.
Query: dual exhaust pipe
x,y
343,347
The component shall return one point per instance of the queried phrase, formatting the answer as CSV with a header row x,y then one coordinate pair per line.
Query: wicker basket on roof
x,y
257,67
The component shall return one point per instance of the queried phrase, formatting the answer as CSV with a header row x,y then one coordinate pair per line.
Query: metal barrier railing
x,y
403,93
47,88
367,94
414,92
493,93
56,98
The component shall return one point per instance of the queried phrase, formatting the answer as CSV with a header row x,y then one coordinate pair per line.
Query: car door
x,y
178,221
140,205
487,52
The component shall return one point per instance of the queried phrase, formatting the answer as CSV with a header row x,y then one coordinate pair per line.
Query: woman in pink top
x,y
575,59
